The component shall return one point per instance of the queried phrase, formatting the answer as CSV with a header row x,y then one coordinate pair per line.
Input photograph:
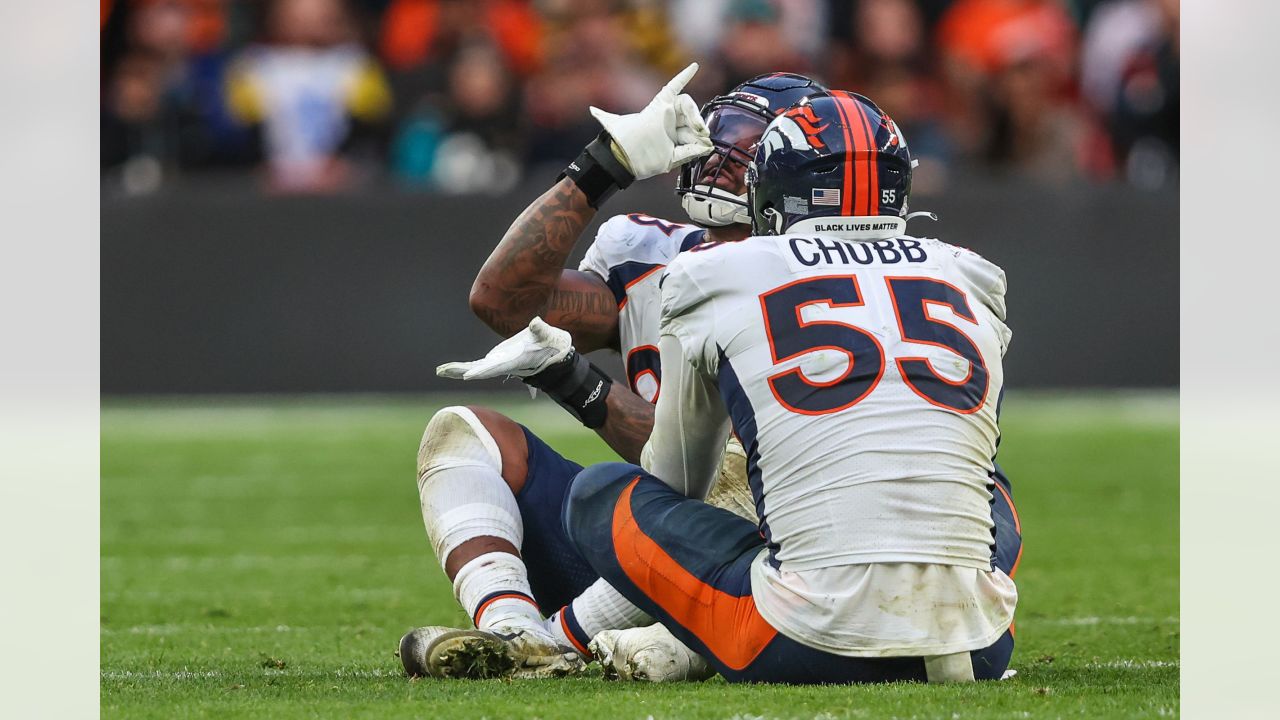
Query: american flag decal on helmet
x,y
824,196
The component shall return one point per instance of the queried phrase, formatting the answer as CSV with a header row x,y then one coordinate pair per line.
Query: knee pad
x,y
455,437
460,485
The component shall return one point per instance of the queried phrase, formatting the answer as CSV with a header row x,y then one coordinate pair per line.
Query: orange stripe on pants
x,y
729,626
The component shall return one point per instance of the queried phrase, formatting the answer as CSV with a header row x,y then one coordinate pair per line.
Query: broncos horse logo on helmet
x,y
834,163
708,186
795,128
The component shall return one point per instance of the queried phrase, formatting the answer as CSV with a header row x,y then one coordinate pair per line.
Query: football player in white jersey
x,y
862,369
491,491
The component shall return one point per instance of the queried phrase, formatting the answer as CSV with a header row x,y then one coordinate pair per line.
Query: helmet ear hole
x,y
761,220
773,220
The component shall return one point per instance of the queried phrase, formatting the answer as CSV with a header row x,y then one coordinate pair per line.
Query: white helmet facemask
x,y
713,207
735,131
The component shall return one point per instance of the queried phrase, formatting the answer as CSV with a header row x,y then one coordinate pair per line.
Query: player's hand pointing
x,y
526,353
667,133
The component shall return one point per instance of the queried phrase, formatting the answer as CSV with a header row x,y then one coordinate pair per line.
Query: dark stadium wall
x,y
217,290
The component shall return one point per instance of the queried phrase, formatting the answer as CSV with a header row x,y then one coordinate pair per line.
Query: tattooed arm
x,y
525,275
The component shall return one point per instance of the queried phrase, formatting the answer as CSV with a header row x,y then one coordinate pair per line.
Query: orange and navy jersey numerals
x,y
912,297
624,276
791,337
649,221
644,362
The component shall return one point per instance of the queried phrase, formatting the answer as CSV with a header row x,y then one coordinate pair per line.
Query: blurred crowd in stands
x,y
463,96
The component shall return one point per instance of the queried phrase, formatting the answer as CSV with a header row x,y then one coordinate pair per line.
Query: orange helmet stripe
x,y
873,165
866,171
858,175
846,196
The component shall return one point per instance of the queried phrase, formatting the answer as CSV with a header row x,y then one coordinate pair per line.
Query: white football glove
x,y
667,133
526,353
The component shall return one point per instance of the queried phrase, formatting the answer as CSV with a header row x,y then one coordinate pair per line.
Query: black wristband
x,y
577,386
597,172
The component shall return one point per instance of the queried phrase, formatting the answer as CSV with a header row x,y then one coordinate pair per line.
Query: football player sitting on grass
x,y
861,369
491,491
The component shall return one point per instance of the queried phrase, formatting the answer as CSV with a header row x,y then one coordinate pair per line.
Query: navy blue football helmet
x,y
833,163
708,185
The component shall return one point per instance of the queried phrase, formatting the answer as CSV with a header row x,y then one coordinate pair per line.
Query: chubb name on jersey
x,y
810,251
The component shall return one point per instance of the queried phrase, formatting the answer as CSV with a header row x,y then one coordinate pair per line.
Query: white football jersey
x,y
863,379
630,253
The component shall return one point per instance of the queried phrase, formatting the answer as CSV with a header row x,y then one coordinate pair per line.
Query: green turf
x,y
262,558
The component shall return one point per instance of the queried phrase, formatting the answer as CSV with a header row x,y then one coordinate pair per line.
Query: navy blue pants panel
x,y
786,661
718,547
1008,538
557,573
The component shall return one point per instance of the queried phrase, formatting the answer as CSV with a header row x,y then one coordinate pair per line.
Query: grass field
x,y
262,558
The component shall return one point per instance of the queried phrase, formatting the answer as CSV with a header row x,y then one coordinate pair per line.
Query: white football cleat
x,y
647,654
501,652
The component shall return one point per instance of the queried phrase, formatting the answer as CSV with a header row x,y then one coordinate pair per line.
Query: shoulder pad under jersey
x,y
629,247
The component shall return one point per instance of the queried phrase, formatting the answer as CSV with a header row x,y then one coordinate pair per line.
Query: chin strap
x,y
929,215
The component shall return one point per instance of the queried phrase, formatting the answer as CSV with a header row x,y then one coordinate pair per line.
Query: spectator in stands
x,y
478,93
755,42
161,106
417,33
593,57
139,113
1129,74
1010,67
313,89
470,140
133,136
457,69
703,27
880,49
